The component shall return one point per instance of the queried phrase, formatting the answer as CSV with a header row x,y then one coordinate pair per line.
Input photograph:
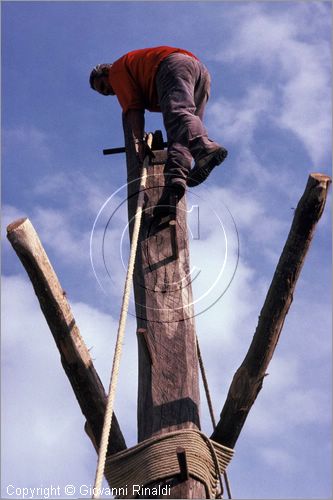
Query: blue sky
x,y
270,106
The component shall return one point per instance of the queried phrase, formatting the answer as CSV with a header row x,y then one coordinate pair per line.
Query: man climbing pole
x,y
172,81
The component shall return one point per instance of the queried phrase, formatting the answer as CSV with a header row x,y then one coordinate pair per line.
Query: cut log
x,y
248,379
75,357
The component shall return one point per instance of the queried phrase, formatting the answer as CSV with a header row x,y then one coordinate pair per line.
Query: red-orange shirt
x,y
132,77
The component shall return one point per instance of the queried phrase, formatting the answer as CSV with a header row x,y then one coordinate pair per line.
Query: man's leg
x,y
175,174
178,164
183,85
176,80
212,154
171,92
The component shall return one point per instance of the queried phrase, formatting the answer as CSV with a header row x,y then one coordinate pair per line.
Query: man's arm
x,y
136,119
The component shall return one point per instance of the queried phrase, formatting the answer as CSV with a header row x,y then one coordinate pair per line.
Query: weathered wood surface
x,y
168,391
248,379
75,357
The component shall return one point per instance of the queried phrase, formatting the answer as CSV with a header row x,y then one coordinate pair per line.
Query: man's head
x,y
99,79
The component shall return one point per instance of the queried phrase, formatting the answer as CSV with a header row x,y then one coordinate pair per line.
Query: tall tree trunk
x,y
168,392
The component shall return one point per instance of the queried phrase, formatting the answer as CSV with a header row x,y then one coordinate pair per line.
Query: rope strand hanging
x,y
210,407
121,331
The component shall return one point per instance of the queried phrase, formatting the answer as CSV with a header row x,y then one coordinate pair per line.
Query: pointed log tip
x,y
15,224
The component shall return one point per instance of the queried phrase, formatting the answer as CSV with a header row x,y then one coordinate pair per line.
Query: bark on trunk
x,y
168,392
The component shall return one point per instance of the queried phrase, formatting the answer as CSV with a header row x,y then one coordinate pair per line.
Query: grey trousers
x,y
183,86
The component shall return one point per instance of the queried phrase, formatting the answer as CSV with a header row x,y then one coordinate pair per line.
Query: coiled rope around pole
x,y
155,460
121,331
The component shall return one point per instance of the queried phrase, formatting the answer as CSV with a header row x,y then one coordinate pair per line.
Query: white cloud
x,y
56,231
237,121
250,213
306,109
283,372
99,331
298,66
28,138
281,408
78,193
245,217
278,458
38,408
67,230
37,395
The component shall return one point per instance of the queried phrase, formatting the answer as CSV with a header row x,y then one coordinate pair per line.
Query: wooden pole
x,y
168,391
75,357
248,379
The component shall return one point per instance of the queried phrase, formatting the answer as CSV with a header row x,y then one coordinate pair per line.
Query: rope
x,y
155,459
121,332
205,383
211,410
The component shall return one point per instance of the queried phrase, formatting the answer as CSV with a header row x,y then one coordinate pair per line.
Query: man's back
x,y
133,77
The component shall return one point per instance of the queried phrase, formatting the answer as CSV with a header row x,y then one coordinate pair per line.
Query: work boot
x,y
205,165
171,195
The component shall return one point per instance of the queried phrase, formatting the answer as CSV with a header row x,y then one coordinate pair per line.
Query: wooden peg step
x,y
181,456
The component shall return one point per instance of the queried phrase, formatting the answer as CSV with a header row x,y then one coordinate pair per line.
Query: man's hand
x,y
136,119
